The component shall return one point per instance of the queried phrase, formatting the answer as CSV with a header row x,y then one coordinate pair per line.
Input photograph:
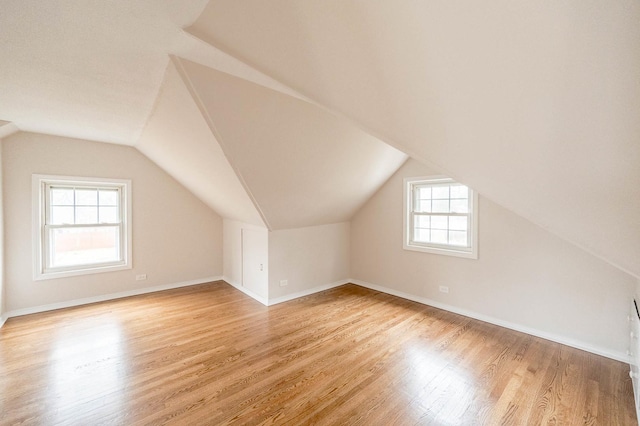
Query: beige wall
x,y
176,238
308,258
2,285
525,276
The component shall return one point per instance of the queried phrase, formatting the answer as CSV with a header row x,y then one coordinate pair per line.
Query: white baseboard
x,y
102,298
303,293
246,291
285,298
618,356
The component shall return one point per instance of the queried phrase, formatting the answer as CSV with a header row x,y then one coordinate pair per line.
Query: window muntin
x,y
440,217
83,226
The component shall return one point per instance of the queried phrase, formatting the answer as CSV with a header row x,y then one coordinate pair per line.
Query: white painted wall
x,y
232,256
176,238
525,276
308,258
255,261
2,284
533,103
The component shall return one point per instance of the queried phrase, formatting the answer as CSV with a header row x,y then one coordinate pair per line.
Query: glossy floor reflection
x,y
208,354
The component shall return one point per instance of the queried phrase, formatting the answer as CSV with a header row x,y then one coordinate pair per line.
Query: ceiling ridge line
x,y
430,163
8,128
330,110
265,80
214,131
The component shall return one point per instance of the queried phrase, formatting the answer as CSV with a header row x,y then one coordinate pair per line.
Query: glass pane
x,y
108,197
83,246
61,215
86,215
458,238
421,235
438,237
108,215
86,197
458,223
424,193
424,206
440,206
62,196
441,192
459,191
421,221
459,206
439,222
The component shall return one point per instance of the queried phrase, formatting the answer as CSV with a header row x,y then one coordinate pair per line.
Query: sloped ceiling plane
x,y
289,114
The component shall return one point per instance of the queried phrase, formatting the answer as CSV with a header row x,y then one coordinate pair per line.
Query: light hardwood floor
x,y
208,354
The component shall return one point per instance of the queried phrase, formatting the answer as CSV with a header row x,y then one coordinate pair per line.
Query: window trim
x,y
39,184
465,252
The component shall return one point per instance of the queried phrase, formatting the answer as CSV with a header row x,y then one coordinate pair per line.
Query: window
x,y
440,217
81,225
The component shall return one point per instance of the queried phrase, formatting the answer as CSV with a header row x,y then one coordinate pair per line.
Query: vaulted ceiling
x,y
290,113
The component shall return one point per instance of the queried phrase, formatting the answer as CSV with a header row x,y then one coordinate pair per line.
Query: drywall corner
x,y
3,308
309,259
525,276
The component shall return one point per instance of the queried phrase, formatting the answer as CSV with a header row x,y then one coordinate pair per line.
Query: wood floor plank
x,y
208,354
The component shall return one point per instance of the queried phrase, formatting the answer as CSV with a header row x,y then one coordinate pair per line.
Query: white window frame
x,y
40,192
470,252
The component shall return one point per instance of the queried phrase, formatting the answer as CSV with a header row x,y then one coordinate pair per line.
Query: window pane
x,y
62,196
83,246
86,215
424,193
108,197
440,206
421,235
439,222
459,206
424,206
441,192
86,197
458,238
61,215
422,221
458,223
108,215
459,191
438,237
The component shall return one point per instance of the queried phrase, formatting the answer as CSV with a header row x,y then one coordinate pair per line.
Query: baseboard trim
x,y
105,297
618,356
246,291
308,292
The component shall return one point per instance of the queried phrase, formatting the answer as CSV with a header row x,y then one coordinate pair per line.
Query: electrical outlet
x,y
444,289
284,283
141,277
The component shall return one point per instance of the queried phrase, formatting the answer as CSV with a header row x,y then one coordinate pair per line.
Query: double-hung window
x,y
440,217
81,225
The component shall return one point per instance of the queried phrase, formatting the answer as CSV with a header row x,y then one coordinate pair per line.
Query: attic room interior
x,y
319,212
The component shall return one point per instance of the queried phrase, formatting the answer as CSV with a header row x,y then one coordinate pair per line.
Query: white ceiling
x,y
301,164
534,104
179,139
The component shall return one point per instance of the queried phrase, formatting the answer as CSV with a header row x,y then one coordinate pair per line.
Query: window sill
x,y
40,276
470,254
